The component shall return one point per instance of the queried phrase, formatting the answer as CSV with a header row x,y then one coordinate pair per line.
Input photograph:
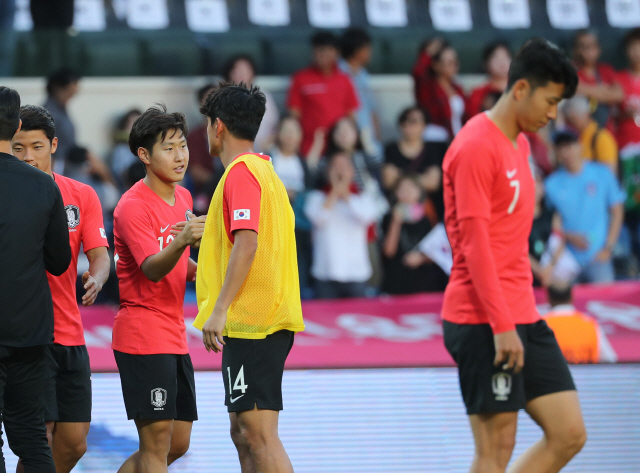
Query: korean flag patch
x,y
242,214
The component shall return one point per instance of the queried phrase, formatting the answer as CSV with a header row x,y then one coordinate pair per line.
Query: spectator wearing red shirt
x,y
597,79
496,59
152,242
321,94
628,129
436,90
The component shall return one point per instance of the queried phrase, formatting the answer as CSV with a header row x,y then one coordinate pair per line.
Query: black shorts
x,y
488,388
252,371
67,391
158,387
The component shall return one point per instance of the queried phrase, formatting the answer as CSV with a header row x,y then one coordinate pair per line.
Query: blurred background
x,y
370,92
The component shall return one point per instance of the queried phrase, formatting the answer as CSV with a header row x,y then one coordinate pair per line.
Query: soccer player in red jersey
x,y
508,358
68,387
153,267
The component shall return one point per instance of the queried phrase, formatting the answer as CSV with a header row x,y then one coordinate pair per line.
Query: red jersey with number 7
x,y
151,316
486,176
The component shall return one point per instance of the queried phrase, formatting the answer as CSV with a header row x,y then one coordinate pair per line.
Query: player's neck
x,y
165,190
5,147
234,148
504,116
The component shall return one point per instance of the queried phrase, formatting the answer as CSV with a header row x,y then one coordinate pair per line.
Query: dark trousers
x,y
339,290
22,379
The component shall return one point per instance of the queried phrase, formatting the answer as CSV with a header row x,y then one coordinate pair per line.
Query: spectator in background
x,y
410,154
121,157
437,92
598,144
287,162
205,171
597,80
239,69
321,94
411,218
356,55
589,201
496,60
628,126
580,336
62,86
341,216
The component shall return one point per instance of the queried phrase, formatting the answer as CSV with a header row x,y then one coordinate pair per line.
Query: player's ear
x,y
220,126
54,144
521,89
143,154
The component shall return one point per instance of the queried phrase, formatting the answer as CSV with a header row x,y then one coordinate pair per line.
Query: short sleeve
x,y
294,99
472,174
93,233
242,195
136,231
615,194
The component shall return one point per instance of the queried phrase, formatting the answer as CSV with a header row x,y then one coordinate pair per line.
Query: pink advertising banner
x,y
384,332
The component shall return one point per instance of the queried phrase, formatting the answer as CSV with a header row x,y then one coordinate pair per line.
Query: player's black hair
x,y
238,106
61,79
153,126
231,63
353,40
202,92
491,48
559,294
632,36
9,113
35,117
404,115
539,62
324,38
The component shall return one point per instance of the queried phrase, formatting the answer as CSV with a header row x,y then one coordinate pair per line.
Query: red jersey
x,y
84,219
477,98
321,99
241,204
488,180
628,131
605,74
151,316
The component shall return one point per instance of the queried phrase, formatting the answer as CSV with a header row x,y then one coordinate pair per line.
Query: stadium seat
x,y
172,53
115,57
220,48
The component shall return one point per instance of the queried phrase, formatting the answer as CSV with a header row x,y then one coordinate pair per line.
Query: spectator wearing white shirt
x,y
340,216
289,166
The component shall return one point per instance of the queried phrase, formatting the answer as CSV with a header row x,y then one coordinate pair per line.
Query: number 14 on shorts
x,y
238,385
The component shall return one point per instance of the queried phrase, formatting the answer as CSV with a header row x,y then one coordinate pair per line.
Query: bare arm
x,y
94,279
605,93
392,238
240,260
157,266
615,224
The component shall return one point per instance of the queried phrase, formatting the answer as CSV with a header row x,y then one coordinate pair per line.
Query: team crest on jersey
x,y
501,386
73,215
158,397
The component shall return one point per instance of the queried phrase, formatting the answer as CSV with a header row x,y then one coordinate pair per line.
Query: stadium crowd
x,y
369,214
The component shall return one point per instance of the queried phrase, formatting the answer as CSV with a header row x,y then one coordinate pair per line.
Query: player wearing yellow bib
x,y
247,283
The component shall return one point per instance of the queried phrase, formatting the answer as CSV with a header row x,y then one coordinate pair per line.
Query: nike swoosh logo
x,y
234,400
162,230
512,173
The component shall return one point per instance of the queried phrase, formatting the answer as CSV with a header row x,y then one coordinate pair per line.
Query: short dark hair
x,y
203,91
404,115
353,40
155,123
492,48
564,137
559,294
9,113
332,146
35,117
238,106
539,62
231,63
324,38
61,79
632,36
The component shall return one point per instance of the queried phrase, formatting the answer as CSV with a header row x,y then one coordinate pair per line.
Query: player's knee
x,y
236,435
77,450
158,441
570,440
179,448
498,451
255,437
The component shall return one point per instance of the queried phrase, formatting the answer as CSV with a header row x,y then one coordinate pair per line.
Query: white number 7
x,y
516,194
